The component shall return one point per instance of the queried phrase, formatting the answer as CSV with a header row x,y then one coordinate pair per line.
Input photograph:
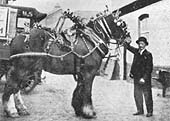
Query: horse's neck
x,y
92,35
98,31
92,41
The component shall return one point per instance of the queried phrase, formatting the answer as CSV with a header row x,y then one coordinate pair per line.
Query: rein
x,y
33,54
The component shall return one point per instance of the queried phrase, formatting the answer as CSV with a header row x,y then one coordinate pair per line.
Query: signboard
x,y
3,21
12,18
25,13
22,22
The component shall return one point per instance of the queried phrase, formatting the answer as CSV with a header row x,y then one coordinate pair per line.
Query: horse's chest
x,y
61,65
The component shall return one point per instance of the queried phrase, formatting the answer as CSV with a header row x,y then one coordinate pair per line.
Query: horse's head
x,y
109,27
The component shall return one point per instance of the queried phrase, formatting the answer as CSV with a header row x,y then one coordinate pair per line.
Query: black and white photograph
x,y
84,60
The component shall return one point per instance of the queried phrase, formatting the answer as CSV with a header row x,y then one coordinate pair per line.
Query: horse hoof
x,y
87,116
23,112
78,113
11,115
88,112
91,115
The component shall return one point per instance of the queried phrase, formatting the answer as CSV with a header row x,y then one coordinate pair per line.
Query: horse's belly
x,y
59,65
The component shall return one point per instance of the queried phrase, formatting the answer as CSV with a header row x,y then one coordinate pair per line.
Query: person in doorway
x,y
141,70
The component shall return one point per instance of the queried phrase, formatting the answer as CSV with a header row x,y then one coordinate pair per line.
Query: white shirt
x,y
141,52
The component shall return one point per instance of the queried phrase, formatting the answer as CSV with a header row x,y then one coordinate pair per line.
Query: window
x,y
3,21
143,29
22,24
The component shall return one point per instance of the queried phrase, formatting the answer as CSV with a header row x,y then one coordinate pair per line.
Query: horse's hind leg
x,y
9,103
11,87
19,103
82,102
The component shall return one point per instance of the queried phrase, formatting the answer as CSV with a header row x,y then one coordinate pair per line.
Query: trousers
x,y
140,91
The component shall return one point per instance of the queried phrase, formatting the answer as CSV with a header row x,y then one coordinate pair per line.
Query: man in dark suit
x,y
141,70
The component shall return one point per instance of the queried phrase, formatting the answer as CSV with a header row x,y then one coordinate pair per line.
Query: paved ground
x,y
113,101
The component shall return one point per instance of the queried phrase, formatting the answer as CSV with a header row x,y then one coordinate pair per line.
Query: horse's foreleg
x,y
77,100
19,103
82,102
87,107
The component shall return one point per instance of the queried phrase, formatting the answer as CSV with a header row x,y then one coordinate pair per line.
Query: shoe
x,y
149,114
138,113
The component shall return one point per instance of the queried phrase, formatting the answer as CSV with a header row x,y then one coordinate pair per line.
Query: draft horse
x,y
55,53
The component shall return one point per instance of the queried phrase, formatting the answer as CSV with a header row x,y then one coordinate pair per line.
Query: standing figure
x,y
141,70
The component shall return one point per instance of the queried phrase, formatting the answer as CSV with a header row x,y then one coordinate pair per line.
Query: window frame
x,y
143,25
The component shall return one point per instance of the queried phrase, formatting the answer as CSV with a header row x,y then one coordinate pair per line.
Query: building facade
x,y
153,22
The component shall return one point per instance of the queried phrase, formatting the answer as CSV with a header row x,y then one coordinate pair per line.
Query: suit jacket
x,y
142,65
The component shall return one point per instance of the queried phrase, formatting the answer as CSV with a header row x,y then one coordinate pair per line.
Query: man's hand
x,y
131,75
128,40
141,81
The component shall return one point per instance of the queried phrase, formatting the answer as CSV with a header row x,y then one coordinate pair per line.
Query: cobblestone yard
x,y
112,99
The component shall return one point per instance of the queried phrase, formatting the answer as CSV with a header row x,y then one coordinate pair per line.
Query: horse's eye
x,y
27,47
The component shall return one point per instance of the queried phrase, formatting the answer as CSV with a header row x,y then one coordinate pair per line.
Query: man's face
x,y
141,45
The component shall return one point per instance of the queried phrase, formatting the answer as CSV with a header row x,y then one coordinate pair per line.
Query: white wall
x,y
159,31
